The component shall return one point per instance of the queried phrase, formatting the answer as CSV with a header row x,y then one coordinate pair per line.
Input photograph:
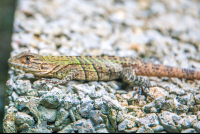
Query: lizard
x,y
96,68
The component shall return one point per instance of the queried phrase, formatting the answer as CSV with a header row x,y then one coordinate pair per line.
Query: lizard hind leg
x,y
128,76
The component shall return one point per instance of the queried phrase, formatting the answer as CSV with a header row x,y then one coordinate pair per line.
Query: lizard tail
x,y
150,69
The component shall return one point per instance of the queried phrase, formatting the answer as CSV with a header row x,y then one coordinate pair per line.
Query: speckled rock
x,y
22,87
70,101
85,109
187,99
51,100
61,116
74,114
21,118
86,89
95,117
67,129
107,123
196,126
156,104
112,116
149,119
9,124
170,121
10,83
188,121
197,98
168,105
157,128
111,102
180,108
145,129
98,103
175,90
102,130
47,114
189,130
126,125
83,126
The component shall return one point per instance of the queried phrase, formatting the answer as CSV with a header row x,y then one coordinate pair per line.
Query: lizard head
x,y
26,61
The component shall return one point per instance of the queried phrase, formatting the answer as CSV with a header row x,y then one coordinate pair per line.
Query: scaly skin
x,y
93,68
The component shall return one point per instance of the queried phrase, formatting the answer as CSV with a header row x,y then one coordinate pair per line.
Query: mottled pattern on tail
x,y
150,69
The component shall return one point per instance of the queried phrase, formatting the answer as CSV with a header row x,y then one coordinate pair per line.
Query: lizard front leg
x,y
128,76
70,75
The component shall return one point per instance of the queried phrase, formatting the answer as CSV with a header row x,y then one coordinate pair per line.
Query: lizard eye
x,y
28,58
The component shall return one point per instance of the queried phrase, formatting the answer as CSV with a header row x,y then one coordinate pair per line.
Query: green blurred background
x,y
7,8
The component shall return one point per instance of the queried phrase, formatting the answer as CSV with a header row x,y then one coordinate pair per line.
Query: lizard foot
x,y
144,89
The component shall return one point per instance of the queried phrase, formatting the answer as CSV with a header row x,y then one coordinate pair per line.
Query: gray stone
x,y
114,85
10,84
171,96
51,100
187,99
113,117
145,129
22,87
21,118
100,91
9,125
86,99
70,101
149,119
168,105
158,8
85,109
126,124
83,126
197,98
14,95
98,103
41,87
196,126
120,116
74,114
157,104
101,128
62,115
85,88
188,121
67,129
111,102
180,108
107,123
123,125
108,88
95,117
170,121
188,130
176,90
158,128
47,114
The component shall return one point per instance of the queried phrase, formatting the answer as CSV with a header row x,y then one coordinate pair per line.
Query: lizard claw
x,y
139,91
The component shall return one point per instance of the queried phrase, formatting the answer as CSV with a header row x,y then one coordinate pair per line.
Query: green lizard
x,y
94,68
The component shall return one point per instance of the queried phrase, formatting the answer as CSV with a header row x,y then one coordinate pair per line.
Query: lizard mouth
x,y
15,65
